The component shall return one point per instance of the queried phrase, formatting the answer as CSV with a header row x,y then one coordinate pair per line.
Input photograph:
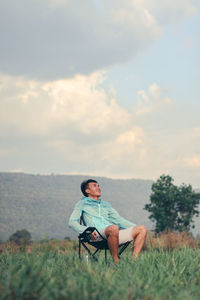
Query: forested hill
x,y
42,204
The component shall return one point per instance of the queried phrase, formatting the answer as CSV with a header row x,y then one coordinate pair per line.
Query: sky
x,y
101,88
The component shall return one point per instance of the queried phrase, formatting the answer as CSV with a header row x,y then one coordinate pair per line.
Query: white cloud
x,y
72,106
76,126
124,145
171,12
81,101
132,15
193,162
174,151
74,119
55,39
153,101
196,132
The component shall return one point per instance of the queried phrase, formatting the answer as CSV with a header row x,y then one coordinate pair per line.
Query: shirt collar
x,y
91,199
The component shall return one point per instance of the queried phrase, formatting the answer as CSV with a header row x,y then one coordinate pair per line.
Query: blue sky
x,y
106,88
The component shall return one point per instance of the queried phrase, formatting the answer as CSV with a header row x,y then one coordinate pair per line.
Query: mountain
x,y
42,204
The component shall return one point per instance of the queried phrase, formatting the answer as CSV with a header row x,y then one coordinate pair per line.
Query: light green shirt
x,y
96,213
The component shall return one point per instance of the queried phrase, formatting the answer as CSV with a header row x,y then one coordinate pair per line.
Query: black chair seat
x,y
85,238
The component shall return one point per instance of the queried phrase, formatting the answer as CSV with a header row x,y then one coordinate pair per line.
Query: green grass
x,y
155,275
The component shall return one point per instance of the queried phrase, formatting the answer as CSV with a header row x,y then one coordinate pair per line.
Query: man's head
x,y
90,188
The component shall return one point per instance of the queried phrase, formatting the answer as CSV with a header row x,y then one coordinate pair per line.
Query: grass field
x,y
52,270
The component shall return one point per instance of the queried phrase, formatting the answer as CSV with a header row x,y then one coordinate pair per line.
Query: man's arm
x,y
74,220
116,219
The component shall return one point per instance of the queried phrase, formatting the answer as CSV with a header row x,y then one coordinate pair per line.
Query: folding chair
x,y
85,238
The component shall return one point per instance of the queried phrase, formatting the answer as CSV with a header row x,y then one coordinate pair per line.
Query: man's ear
x,y
87,190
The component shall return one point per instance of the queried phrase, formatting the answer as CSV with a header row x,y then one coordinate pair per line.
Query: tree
x,y
20,236
172,207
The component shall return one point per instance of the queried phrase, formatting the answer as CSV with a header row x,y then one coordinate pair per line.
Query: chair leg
x,y
90,253
79,249
123,248
97,250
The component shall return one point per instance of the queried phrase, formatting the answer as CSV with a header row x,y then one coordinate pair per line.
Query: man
x,y
109,223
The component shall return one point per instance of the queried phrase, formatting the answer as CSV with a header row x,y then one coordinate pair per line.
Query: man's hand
x,y
93,235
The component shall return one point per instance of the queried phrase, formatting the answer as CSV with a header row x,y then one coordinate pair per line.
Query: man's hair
x,y
84,186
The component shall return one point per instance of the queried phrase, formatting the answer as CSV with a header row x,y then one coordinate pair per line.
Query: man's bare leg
x,y
139,234
112,234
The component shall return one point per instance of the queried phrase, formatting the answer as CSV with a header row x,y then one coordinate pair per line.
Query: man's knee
x,y
112,230
143,230
139,229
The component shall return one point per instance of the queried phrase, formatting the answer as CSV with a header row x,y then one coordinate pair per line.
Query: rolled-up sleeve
x,y
116,219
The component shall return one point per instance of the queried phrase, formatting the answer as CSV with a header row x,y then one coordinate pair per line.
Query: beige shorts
x,y
125,235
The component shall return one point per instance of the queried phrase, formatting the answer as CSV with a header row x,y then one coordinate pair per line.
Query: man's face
x,y
93,190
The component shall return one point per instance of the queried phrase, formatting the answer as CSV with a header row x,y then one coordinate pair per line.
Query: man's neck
x,y
93,197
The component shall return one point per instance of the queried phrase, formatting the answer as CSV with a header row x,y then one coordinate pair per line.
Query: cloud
x,y
173,151
111,157
76,126
171,12
74,120
75,108
193,162
154,101
52,39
